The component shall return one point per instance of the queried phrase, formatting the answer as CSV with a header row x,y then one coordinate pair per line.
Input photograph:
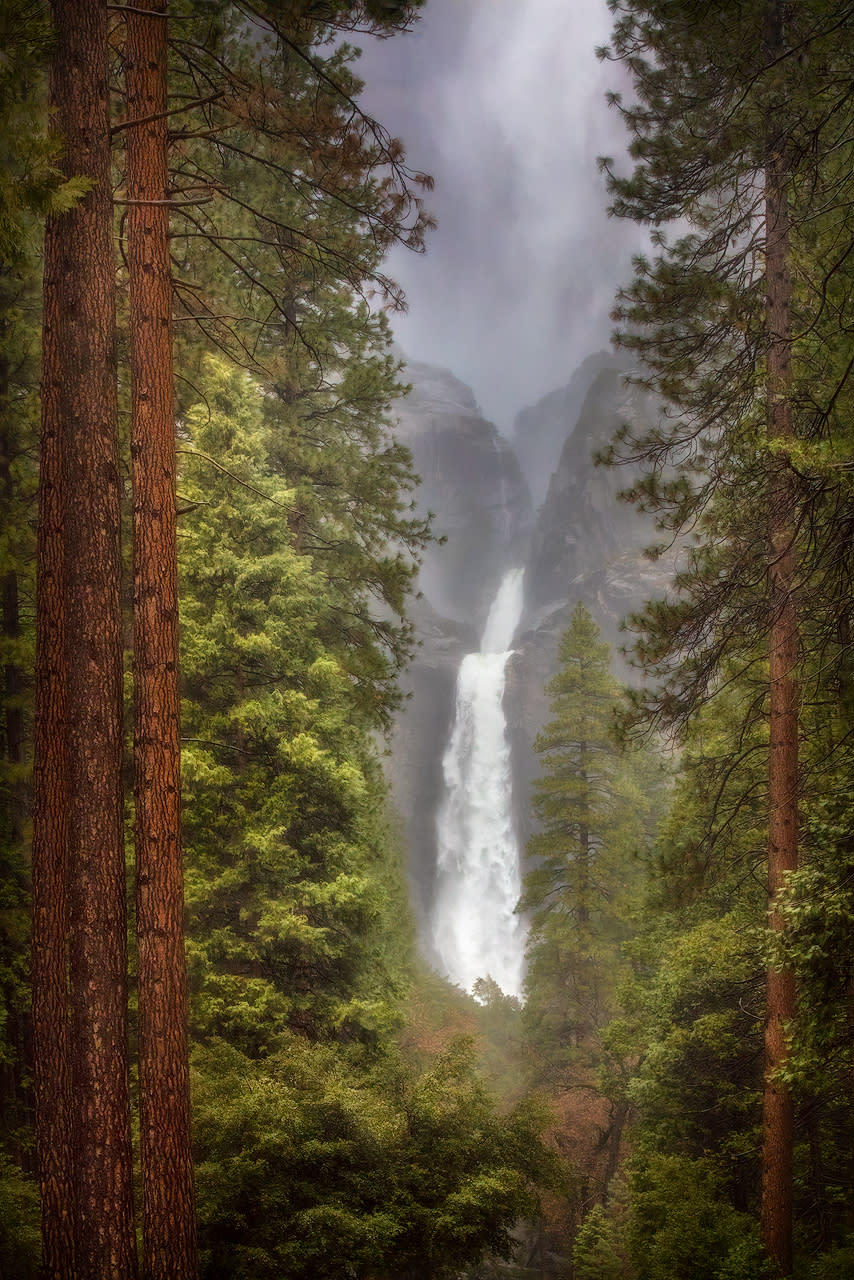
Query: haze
x,y
504,103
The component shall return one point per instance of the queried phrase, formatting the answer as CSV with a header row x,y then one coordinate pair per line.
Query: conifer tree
x,y
166,1163
169,1233
32,186
290,880
592,820
783,674
80,936
294,110
732,129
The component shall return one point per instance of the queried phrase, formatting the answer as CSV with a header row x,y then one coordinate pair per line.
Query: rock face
x,y
540,432
583,544
582,526
472,482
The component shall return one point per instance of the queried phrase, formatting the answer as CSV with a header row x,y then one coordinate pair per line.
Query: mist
x,y
504,104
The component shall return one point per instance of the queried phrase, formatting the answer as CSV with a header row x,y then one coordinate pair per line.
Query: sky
x,y
503,102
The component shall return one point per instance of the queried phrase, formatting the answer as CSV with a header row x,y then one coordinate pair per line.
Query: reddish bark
x,y
169,1241
80,673
51,1042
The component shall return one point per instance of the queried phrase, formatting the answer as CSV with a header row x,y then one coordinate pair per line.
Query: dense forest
x,y
220,1055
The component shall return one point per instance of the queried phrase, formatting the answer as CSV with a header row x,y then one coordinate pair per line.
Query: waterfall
x,y
475,932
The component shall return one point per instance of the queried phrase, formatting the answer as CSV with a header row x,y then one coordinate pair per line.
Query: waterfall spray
x,y
475,932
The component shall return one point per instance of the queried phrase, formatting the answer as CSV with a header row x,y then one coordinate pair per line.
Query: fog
x,y
504,104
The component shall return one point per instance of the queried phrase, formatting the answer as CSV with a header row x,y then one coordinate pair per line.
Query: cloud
x,y
504,103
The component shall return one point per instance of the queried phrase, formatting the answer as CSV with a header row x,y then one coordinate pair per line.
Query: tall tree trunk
x,y
778,1107
78,783
51,1042
51,1039
169,1240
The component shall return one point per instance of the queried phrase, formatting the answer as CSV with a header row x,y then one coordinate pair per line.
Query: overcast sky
x,y
503,101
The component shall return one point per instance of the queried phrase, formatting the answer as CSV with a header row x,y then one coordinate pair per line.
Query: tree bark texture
x,y
778,1107
51,1040
169,1239
80,371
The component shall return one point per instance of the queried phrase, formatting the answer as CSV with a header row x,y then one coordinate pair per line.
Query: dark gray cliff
x,y
472,482
540,432
586,542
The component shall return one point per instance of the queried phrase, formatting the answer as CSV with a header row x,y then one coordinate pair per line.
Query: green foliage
x,y
299,545
309,1166
296,900
714,104
733,112
597,807
31,182
275,271
682,1226
691,1032
818,907
20,1235
711,845
596,1253
686,1052
28,185
833,1265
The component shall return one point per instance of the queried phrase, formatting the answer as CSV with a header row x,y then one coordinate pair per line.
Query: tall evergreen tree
x,y
163,1066
290,885
169,1231
78,855
31,186
731,130
784,656
586,855
353,200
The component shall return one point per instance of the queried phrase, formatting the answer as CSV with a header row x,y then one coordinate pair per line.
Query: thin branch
x,y
197,453
171,204
173,111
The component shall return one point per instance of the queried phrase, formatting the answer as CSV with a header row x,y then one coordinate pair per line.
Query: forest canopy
x,y
219,1052
200,193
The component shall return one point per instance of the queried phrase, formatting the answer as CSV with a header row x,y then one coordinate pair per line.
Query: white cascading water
x,y
475,932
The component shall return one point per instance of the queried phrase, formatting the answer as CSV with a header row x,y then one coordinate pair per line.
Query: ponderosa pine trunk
x,y
169,1236
79,854
778,1106
51,1038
